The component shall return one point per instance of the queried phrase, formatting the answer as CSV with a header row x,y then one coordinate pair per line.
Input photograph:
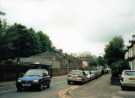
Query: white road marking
x,y
66,92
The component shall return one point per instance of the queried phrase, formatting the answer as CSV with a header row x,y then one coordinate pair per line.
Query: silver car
x,y
77,76
88,75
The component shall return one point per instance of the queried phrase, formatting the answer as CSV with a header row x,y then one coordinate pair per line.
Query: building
x,y
60,62
130,53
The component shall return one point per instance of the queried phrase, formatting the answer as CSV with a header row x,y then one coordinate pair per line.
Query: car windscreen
x,y
130,73
87,72
76,72
33,73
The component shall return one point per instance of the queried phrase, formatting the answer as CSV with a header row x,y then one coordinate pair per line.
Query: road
x,y
56,85
101,88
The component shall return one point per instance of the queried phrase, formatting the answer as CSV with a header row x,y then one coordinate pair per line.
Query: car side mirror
x,y
44,74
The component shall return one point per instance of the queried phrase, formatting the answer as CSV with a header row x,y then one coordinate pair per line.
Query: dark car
x,y
34,78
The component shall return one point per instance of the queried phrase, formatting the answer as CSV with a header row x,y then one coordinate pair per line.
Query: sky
x,y
75,26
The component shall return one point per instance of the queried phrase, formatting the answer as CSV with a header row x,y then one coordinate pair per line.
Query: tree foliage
x,y
101,61
2,13
114,55
114,51
45,42
19,41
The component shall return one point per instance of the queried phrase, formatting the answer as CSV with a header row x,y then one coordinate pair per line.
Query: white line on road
x,y
66,93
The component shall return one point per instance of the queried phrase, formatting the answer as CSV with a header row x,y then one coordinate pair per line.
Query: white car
x,y
127,79
93,74
88,75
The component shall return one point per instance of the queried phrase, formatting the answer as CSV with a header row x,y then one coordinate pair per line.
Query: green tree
x,y
114,51
2,13
25,43
6,39
45,42
114,55
18,41
101,61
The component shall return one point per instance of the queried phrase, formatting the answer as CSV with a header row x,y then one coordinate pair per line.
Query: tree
x,y
114,54
114,51
101,61
45,42
6,39
26,42
2,13
18,41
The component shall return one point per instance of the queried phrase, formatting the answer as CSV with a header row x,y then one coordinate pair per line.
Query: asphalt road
x,y
101,88
56,85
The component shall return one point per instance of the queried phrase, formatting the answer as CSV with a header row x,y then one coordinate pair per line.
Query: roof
x,y
128,70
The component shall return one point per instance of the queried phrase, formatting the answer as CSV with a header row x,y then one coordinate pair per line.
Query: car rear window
x,y
76,72
130,73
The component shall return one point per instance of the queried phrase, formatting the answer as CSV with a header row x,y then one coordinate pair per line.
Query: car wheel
x,y
41,87
48,85
123,87
81,82
69,82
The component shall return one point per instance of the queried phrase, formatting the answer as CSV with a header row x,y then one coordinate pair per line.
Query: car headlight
x,y
35,81
19,80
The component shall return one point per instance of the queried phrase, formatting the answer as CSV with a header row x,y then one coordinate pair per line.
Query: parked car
x,y
34,78
106,70
127,79
93,74
88,74
77,76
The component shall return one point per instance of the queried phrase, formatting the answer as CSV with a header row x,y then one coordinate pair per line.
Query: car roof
x,y
128,70
76,70
86,71
37,70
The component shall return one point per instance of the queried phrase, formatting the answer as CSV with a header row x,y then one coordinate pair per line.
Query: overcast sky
x,y
75,25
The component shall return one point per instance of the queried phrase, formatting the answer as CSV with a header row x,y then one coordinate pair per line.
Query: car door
x,y
85,76
46,77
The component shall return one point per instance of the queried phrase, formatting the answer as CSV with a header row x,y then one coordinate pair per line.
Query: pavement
x,y
3,84
7,86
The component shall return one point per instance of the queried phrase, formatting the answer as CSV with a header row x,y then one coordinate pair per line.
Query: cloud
x,y
75,25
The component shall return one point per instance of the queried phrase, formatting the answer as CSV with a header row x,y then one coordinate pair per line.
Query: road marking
x,y
66,93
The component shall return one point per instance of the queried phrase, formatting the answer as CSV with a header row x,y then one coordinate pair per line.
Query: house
x,y
130,53
60,62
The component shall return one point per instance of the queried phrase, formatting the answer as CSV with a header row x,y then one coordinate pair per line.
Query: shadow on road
x,y
130,89
115,81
